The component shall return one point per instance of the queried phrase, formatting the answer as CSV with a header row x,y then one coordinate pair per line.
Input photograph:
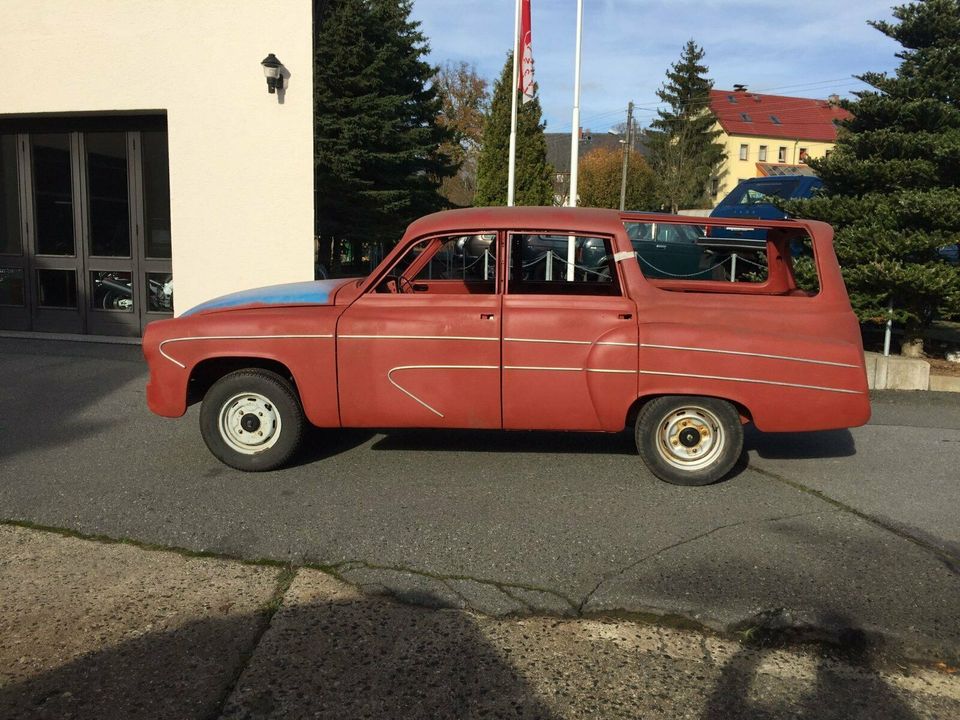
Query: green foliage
x,y
378,164
600,177
682,140
892,186
533,173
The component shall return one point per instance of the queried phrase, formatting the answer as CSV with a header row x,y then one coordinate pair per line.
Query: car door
x,y
422,347
570,342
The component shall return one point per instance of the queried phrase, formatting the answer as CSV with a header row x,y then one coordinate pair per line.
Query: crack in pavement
x,y
949,559
685,541
339,569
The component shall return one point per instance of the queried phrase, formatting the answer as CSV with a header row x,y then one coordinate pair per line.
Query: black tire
x,y
271,408
689,440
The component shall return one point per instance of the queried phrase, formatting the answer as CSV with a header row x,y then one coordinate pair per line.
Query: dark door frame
x,y
85,318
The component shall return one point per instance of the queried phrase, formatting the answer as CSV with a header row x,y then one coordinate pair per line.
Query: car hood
x,y
315,292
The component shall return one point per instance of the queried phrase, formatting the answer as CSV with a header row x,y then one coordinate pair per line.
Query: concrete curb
x,y
901,373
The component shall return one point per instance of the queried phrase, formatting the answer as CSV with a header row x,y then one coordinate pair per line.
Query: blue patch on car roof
x,y
316,292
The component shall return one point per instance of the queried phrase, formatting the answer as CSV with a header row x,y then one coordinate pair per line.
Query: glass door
x,y
57,276
14,275
112,305
85,242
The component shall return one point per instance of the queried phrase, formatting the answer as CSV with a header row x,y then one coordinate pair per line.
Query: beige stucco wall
x,y
241,164
734,169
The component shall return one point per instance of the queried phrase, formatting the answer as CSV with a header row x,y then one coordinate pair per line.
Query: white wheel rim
x,y
249,423
690,438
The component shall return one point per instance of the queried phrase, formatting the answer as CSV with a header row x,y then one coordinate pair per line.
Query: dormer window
x,y
745,117
775,120
732,99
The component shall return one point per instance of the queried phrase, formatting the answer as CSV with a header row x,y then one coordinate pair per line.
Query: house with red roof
x,y
770,134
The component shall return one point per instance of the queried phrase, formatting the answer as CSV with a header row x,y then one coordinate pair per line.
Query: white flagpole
x,y
575,137
575,133
512,168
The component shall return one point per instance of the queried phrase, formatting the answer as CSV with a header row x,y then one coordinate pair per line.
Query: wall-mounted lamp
x,y
271,69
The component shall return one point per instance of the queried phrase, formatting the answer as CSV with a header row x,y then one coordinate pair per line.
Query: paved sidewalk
x,y
109,630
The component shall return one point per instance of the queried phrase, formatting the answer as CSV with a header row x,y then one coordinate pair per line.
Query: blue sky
x,y
807,49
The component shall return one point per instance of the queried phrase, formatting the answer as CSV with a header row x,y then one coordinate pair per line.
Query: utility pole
x,y
627,145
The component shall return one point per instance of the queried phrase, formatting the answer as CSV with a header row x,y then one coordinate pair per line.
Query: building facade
x,y
770,134
144,165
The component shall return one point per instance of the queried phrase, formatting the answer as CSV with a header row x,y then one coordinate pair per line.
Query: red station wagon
x,y
493,318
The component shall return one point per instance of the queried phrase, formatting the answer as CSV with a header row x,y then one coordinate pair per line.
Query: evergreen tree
x,y
378,163
533,173
682,140
892,185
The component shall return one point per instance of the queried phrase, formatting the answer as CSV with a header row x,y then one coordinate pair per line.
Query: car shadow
x,y
799,445
322,443
496,441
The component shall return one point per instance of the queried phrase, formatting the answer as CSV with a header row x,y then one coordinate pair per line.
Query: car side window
x,y
460,264
465,257
543,264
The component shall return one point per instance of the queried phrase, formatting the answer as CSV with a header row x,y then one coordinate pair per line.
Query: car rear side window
x,y
548,264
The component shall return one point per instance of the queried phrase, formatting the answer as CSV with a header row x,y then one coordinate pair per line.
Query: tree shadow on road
x,y
359,658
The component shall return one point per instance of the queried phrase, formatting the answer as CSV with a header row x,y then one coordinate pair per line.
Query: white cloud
x,y
791,48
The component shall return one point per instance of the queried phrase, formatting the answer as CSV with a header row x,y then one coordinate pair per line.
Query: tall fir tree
x,y
378,160
684,152
533,172
892,184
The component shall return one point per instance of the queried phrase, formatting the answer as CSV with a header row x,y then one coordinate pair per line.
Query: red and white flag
x,y
526,54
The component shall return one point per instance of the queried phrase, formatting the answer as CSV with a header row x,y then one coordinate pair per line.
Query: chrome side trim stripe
x,y
416,337
568,369
431,367
751,380
554,342
235,337
747,354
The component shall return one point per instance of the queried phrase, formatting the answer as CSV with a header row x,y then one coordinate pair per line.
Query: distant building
x,y
770,134
558,155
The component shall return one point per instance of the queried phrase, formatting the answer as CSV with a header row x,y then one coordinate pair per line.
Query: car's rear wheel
x,y
252,420
689,440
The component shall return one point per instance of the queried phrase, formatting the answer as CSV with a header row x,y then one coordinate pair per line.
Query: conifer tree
x,y
892,184
682,140
378,163
533,173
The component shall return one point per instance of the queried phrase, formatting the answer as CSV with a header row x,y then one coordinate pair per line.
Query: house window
x,y
744,151
804,156
763,153
782,155
746,117
775,120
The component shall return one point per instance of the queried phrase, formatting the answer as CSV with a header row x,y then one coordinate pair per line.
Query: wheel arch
x,y
634,410
207,371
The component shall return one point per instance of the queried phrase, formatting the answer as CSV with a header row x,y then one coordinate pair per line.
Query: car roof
x,y
579,220
517,218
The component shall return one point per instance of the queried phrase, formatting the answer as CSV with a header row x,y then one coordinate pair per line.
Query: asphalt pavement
x,y
850,535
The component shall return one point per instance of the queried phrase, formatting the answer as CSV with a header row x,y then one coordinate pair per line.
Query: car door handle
x,y
624,316
486,316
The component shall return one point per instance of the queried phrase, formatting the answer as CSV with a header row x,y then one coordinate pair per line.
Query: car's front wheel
x,y
252,420
689,440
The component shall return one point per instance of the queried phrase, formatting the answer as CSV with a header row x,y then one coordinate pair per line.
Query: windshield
x,y
757,194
